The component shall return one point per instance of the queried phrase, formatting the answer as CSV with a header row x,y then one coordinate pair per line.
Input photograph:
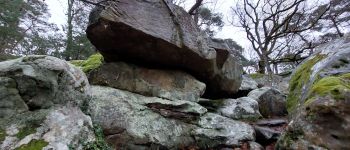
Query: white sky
x,y
58,8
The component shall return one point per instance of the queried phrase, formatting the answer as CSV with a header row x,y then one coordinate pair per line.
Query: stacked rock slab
x,y
167,84
160,34
133,121
319,100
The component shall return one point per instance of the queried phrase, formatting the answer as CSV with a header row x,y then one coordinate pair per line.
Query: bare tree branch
x,y
195,6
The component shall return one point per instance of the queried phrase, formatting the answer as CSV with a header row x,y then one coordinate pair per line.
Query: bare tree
x,y
268,22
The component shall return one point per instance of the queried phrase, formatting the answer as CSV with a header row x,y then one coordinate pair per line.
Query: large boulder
x,y
143,122
319,100
161,34
57,128
167,84
244,108
272,103
36,82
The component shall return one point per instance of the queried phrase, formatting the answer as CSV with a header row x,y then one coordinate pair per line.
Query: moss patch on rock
x,y
2,135
335,86
299,79
33,145
256,75
93,62
25,132
4,57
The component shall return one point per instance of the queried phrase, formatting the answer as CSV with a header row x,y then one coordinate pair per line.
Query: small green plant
x,y
99,143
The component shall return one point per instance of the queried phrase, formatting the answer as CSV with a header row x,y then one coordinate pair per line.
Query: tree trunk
x,y
336,27
69,42
275,68
261,65
196,16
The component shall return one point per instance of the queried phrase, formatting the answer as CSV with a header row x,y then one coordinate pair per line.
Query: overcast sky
x,y
58,9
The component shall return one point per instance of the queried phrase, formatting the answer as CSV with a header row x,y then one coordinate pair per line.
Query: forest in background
x,y
282,33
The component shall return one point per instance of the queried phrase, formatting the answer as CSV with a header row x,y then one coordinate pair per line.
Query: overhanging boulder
x,y
159,34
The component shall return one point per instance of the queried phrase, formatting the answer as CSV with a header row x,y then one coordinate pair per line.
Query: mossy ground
x,y
93,62
298,80
33,145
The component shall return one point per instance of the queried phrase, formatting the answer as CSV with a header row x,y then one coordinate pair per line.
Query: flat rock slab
x,y
167,84
160,34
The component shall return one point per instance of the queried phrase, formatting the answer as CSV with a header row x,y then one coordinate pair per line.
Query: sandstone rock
x,y
57,128
141,122
244,108
218,130
163,35
271,122
35,82
248,84
241,108
10,100
167,84
271,101
319,98
267,80
255,146
266,135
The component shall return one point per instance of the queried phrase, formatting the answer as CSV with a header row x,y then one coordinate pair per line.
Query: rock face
x,y
248,84
319,100
167,84
241,108
36,82
142,121
244,108
55,128
162,35
40,98
272,103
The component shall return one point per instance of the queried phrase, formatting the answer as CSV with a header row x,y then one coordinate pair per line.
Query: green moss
x,y
99,143
4,57
256,75
93,62
33,145
2,135
300,78
335,86
25,131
